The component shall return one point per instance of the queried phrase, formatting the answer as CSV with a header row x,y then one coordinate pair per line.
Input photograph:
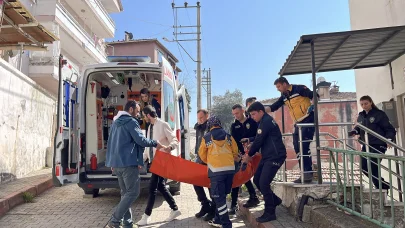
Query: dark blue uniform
x,y
270,142
239,131
377,121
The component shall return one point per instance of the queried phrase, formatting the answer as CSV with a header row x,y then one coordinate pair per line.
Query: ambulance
x,y
87,105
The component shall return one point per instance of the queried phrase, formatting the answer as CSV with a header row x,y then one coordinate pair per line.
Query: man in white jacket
x,y
161,131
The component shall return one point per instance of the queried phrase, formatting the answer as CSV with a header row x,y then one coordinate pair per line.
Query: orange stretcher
x,y
179,169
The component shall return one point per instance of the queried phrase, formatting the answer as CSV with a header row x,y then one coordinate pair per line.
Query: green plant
x,y
28,197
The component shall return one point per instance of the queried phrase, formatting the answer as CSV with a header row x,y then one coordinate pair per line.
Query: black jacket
x,y
377,121
201,130
240,130
269,140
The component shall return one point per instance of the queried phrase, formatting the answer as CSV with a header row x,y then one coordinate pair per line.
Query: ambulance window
x,y
168,96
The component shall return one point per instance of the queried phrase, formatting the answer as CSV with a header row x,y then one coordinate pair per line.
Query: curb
x,y
251,217
14,199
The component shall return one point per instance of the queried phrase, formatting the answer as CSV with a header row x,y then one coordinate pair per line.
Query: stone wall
x,y
26,123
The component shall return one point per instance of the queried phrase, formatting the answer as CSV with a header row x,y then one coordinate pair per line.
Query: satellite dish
x,y
320,79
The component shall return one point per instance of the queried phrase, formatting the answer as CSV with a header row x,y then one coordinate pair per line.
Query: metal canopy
x,y
346,50
20,27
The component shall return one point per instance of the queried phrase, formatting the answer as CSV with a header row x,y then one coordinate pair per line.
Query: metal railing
x,y
351,200
367,203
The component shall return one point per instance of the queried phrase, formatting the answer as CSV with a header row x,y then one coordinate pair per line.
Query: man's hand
x,y
167,149
238,158
159,146
246,158
244,140
352,133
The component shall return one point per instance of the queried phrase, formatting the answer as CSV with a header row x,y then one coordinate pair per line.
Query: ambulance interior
x,y
107,93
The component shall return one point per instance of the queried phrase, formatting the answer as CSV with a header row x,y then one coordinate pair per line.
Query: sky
x,y
245,43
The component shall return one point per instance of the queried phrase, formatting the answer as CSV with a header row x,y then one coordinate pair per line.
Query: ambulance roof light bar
x,y
129,59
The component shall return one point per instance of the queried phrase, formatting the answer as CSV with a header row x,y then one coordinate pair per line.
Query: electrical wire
x,y
158,33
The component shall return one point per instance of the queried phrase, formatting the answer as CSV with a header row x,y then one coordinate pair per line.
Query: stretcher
x,y
179,169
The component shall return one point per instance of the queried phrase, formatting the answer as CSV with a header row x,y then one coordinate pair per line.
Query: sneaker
x,y
232,210
266,217
214,224
173,215
145,220
252,202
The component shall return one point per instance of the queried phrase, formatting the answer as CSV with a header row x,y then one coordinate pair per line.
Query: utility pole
x,y
206,81
198,33
198,57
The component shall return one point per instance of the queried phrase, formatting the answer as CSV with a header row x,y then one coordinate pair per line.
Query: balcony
x,y
76,41
112,6
94,15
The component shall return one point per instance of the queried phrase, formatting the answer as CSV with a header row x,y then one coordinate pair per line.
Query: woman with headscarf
x,y
219,151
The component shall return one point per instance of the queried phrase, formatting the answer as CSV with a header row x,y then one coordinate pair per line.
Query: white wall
x,y
376,82
26,122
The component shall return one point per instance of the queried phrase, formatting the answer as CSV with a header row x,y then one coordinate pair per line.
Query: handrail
x,y
380,137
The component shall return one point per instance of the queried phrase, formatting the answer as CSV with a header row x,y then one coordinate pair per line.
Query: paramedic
x,y
242,127
376,120
159,129
219,151
207,211
124,154
298,99
270,141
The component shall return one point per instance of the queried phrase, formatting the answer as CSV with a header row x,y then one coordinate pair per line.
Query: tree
x,y
222,107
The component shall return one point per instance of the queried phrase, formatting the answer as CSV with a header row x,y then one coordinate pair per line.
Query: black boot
x,y
268,215
205,209
253,201
211,214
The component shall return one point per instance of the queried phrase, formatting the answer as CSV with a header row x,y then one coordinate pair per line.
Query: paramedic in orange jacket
x,y
220,152
298,100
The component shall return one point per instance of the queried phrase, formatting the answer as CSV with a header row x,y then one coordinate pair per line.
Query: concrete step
x,y
329,216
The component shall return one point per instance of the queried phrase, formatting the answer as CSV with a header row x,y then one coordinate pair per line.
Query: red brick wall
x,y
328,113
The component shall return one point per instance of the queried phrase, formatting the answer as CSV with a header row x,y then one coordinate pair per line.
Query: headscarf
x,y
213,121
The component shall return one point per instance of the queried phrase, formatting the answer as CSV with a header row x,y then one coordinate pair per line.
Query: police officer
x,y
298,100
248,102
377,121
242,127
207,211
269,140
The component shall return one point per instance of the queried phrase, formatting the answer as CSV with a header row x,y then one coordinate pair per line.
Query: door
x,y
66,142
183,114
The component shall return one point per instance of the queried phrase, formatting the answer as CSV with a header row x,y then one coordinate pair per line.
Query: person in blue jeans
x,y
219,151
125,149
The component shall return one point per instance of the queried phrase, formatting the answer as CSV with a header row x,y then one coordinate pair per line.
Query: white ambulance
x,y
87,105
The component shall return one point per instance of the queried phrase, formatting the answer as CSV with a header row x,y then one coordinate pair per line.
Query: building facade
x,y
378,82
81,27
143,47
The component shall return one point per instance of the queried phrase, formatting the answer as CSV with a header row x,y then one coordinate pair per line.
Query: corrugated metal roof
x,y
346,50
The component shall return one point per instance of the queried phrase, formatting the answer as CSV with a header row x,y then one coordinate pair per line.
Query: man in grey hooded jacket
x,y
125,147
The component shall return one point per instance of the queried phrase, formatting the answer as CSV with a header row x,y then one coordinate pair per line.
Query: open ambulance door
x,y
66,143
184,124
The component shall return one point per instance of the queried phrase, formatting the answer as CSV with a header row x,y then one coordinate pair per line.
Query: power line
x,y
159,33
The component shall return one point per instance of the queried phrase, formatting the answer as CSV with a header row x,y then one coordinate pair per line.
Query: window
x,y
181,107
169,110
160,55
